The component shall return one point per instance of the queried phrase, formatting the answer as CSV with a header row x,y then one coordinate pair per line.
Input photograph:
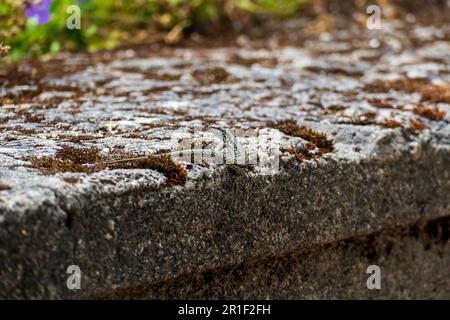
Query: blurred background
x,y
34,28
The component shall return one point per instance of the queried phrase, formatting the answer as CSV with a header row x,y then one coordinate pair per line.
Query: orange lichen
x,y
381,103
390,123
298,155
432,113
417,126
4,186
304,154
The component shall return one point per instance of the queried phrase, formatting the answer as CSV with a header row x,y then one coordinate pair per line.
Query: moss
x,y
304,154
79,155
175,172
366,118
381,103
79,139
19,129
51,165
29,117
211,75
16,77
432,113
317,139
152,73
335,70
428,91
67,159
71,180
88,160
248,62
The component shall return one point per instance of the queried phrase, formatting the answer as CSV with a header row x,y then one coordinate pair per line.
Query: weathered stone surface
x,y
415,265
382,97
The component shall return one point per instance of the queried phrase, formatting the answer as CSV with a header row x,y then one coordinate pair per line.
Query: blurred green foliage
x,y
108,23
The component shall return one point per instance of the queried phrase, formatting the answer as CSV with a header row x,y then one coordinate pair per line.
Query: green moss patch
x,y
315,139
89,160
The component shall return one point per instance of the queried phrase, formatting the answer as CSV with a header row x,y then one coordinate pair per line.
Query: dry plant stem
x,y
174,153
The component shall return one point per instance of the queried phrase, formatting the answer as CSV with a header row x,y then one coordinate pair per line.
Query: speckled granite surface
x,y
381,97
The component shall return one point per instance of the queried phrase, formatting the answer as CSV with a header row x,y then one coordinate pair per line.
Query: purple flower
x,y
39,9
